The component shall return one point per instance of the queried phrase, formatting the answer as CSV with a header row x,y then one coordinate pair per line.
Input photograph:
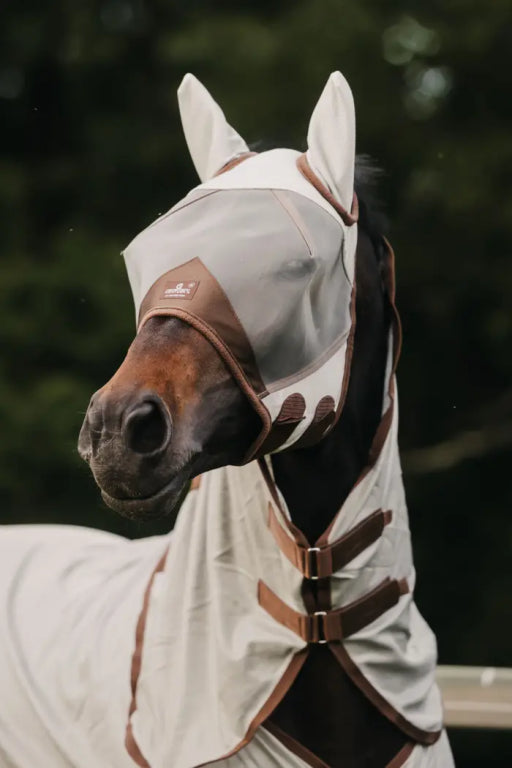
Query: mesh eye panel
x,y
278,257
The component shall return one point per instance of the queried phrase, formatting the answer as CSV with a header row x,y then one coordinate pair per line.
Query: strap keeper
x,y
313,627
310,567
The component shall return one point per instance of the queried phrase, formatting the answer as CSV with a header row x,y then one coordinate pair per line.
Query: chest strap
x,y
334,626
321,562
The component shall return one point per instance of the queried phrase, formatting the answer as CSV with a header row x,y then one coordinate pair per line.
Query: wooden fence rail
x,y
476,697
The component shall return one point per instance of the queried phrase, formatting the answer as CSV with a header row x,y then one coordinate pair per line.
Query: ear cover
x,y
212,142
332,139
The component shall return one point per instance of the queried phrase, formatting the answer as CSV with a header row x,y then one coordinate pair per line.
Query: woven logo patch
x,y
184,290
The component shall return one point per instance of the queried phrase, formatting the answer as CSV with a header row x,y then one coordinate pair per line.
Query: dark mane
x,y
371,215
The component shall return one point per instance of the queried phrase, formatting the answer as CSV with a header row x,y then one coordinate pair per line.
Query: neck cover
x,y
262,261
219,641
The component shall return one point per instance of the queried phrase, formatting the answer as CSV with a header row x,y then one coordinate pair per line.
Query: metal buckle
x,y
321,632
311,569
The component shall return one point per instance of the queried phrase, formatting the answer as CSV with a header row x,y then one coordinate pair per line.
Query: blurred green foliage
x,y
92,151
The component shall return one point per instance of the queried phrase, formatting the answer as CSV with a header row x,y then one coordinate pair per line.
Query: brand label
x,y
185,290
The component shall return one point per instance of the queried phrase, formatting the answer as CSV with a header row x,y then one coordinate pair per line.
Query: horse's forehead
x,y
274,169
269,220
258,213
247,232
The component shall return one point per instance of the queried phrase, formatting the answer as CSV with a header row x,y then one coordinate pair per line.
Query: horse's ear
x,y
212,142
332,139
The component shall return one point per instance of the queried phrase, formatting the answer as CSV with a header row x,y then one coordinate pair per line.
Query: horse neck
x,y
316,481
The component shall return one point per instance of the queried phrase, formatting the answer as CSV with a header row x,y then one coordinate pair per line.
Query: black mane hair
x,y
371,216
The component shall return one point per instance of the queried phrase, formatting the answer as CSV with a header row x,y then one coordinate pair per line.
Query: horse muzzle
x,y
128,442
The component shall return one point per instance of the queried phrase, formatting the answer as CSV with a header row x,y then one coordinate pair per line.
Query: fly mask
x,y
260,258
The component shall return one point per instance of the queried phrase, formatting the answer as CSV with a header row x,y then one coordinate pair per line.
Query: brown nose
x,y
141,423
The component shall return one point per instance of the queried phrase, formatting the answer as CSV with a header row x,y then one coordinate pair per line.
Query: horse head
x,y
244,295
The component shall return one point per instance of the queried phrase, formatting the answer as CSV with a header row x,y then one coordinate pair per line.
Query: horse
x,y
275,625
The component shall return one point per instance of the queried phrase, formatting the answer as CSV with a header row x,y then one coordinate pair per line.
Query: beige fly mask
x,y
260,258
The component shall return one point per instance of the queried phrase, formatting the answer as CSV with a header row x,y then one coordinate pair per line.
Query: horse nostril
x,y
147,428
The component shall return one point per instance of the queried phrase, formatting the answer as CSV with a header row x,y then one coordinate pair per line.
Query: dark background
x,y
91,151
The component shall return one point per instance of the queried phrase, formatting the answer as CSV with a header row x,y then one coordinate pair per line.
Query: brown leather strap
x,y
320,562
308,173
333,626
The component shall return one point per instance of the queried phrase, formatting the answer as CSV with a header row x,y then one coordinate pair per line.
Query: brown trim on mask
x,y
335,625
317,430
131,745
209,303
308,173
234,162
320,562
417,734
209,311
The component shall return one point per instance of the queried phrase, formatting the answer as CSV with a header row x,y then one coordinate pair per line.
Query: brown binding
x,y
131,745
336,625
279,692
399,760
294,746
320,562
315,762
418,735
306,170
